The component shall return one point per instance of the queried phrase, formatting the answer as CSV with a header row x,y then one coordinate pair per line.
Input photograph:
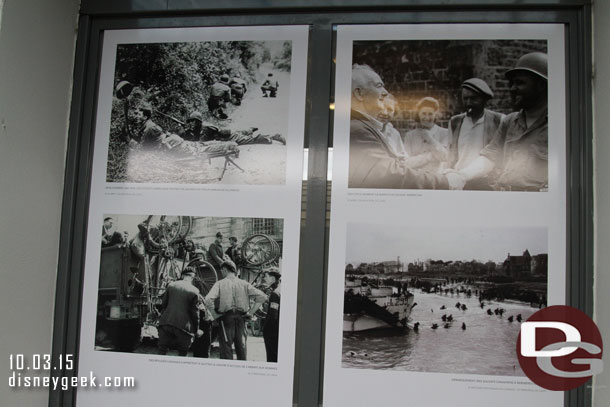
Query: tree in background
x,y
175,78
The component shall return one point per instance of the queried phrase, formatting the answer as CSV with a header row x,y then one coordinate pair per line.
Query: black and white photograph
x,y
208,112
427,285
417,300
449,114
200,287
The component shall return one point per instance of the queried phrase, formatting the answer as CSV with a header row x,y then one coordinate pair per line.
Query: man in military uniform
x,y
198,130
149,133
238,89
519,149
240,137
152,136
220,94
270,86
472,130
192,130
230,297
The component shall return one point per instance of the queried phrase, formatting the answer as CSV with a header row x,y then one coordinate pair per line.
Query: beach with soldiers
x,y
469,299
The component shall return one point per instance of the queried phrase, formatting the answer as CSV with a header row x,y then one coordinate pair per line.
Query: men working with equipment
x,y
179,321
234,250
151,136
216,253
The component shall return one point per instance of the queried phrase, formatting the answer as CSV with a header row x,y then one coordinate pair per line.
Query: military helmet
x,y
534,62
123,89
224,78
146,107
196,116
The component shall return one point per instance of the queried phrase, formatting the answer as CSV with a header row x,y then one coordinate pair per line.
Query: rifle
x,y
172,118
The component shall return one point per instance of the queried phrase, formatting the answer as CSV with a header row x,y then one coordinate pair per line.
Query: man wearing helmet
x,y
519,148
198,130
192,130
270,86
230,297
241,137
220,94
152,136
238,89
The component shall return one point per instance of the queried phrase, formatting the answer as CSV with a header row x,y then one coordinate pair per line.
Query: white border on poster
x,y
167,380
454,209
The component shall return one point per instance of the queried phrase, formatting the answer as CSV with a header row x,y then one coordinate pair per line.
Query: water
x,y
486,347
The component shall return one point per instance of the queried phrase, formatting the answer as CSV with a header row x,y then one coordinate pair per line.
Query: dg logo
x,y
560,348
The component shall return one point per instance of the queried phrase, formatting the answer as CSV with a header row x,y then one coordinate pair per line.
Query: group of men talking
x,y
486,150
187,317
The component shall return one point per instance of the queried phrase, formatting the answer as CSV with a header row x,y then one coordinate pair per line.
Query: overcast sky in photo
x,y
374,243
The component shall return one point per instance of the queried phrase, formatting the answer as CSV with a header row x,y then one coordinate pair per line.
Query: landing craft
x,y
368,307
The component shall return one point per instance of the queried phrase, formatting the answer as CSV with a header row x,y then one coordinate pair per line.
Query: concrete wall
x,y
37,40
601,143
412,70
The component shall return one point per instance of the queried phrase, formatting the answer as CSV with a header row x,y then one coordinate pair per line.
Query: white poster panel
x,y
196,175
448,211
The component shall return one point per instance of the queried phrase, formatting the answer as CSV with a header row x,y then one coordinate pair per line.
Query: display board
x,y
173,159
197,172
430,274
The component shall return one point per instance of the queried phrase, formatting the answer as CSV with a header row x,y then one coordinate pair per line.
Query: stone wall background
x,y
412,70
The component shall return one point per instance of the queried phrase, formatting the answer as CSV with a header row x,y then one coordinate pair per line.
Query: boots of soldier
x,y
278,137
